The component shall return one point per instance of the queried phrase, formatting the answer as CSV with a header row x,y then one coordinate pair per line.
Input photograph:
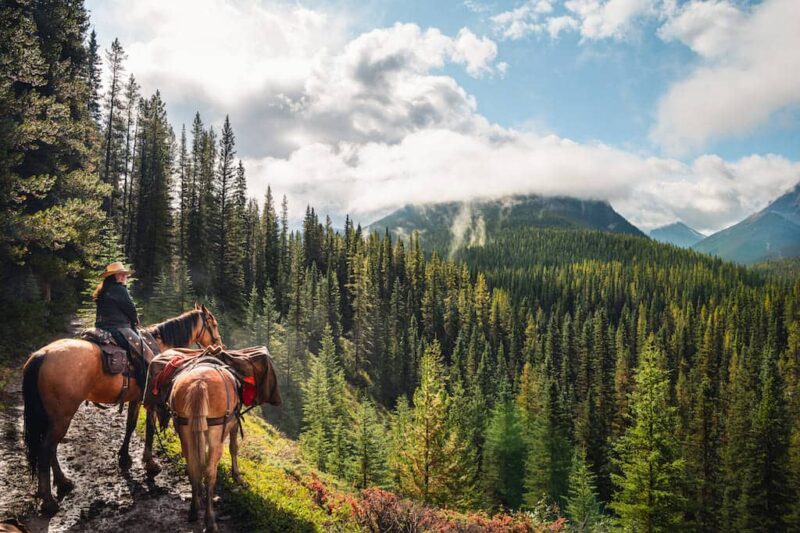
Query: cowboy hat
x,y
116,268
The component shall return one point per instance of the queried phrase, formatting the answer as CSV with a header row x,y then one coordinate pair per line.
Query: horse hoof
x,y
49,506
238,480
152,469
125,461
212,528
65,487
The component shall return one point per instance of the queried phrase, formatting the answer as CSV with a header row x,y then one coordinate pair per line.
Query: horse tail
x,y
36,420
197,407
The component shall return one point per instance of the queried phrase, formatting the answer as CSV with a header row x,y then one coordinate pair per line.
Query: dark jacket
x,y
115,308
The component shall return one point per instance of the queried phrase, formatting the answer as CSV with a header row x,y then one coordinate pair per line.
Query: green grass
x,y
276,496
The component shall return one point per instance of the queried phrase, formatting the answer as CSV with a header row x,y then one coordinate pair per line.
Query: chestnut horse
x,y
59,377
205,404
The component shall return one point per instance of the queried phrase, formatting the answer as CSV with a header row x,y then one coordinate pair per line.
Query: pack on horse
x,y
203,392
66,372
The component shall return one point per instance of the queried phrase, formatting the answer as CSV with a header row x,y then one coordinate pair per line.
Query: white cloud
x,y
382,86
222,51
711,193
288,76
369,123
752,71
593,19
476,53
435,165
607,19
523,20
476,7
556,25
708,28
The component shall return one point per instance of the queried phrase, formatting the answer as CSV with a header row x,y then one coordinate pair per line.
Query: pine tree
x,y
398,434
269,317
467,421
534,406
317,414
771,492
50,195
738,470
341,450
94,68
368,463
230,213
269,270
285,262
582,507
152,250
131,104
651,469
114,125
185,195
363,291
504,455
426,462
200,235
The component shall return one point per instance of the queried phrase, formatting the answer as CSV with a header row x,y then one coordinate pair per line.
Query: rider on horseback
x,y
116,312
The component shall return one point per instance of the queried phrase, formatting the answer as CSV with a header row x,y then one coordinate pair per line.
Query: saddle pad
x,y
97,336
166,373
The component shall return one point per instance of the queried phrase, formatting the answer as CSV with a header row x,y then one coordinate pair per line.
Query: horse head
x,y
209,329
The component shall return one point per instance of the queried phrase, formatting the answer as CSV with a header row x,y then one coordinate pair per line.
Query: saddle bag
x,y
115,358
116,361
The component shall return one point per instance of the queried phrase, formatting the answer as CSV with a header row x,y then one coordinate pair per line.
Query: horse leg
x,y
234,449
133,416
150,466
63,484
192,445
215,441
47,458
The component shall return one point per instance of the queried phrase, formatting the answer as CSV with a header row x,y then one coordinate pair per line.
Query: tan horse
x,y
60,376
204,401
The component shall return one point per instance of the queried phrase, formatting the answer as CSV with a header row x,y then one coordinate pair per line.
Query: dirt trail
x,y
104,498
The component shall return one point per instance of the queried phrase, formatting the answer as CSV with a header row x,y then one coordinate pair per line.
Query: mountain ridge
x,y
677,233
448,226
772,233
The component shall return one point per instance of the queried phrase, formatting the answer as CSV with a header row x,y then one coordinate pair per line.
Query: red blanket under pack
x,y
166,373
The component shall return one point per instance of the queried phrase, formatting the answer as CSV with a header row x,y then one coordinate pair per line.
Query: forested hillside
x,y
606,378
447,227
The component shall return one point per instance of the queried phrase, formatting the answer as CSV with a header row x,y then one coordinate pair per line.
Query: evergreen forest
x,y
605,378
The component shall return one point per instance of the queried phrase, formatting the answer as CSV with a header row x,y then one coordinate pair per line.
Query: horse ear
x,y
203,307
196,305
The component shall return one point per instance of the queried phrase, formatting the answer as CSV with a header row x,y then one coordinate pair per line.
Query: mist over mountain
x,y
678,234
452,225
772,233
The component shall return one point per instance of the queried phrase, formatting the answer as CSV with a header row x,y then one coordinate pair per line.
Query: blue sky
x,y
588,91
670,110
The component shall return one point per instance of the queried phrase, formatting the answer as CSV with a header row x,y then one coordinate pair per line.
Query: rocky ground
x,y
105,498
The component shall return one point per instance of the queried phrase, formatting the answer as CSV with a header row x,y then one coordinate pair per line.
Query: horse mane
x,y
176,331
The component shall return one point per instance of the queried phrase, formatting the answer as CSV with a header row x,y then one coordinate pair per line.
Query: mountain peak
x,y
449,226
772,233
678,234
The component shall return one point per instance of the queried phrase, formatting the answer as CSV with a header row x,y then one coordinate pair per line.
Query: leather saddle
x,y
115,357
117,360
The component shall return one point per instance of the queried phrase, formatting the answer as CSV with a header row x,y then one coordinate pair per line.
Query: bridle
x,y
214,339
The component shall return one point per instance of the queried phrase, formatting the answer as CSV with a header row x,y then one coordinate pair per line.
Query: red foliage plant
x,y
379,510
